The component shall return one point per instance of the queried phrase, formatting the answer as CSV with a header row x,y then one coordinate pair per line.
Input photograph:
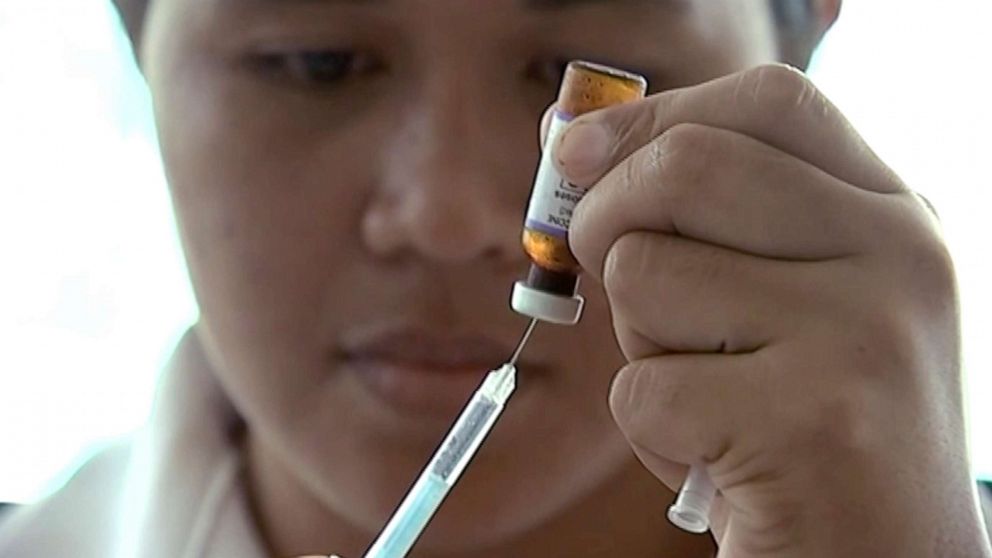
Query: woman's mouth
x,y
419,372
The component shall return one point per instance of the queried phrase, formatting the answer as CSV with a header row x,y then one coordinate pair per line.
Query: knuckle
x,y
778,89
841,423
641,393
923,256
634,176
928,205
915,247
694,269
879,343
885,349
625,262
623,395
633,344
887,342
686,270
680,157
642,267
932,267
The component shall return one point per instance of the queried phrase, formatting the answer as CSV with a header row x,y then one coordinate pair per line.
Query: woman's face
x,y
350,179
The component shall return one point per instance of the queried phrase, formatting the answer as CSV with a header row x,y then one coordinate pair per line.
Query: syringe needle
x,y
523,342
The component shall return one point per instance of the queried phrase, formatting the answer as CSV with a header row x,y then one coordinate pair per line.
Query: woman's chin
x,y
499,499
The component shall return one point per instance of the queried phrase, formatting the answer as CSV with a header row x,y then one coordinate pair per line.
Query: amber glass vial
x,y
554,271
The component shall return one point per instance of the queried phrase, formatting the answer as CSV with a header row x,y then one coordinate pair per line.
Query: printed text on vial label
x,y
553,199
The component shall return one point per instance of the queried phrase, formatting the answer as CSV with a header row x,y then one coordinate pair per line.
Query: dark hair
x,y
797,26
792,13
798,30
133,16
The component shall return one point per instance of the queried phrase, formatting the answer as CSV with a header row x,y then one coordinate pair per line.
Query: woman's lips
x,y
419,372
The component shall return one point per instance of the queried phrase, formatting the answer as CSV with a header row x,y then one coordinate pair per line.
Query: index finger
x,y
775,104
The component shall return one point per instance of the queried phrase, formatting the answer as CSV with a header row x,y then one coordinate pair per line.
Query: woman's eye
x,y
318,67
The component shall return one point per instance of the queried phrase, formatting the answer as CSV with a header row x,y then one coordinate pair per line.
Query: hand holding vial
x,y
766,276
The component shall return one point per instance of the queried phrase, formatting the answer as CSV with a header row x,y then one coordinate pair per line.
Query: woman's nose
x,y
447,191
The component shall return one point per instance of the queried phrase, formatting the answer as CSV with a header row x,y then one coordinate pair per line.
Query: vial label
x,y
553,199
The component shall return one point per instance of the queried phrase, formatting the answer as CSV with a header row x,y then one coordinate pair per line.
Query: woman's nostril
x,y
440,229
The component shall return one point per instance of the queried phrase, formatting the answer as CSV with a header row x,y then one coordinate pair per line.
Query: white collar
x,y
183,491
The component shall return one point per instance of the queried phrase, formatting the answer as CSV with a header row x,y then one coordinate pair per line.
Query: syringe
x,y
449,461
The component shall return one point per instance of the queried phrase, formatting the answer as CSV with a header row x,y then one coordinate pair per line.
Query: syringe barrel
x,y
446,466
465,438
411,518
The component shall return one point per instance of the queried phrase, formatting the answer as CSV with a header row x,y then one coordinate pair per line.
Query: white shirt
x,y
173,491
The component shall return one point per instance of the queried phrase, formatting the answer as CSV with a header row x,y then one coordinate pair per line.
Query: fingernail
x,y
583,151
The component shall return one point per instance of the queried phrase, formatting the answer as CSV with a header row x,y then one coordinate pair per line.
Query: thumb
x,y
545,124
774,104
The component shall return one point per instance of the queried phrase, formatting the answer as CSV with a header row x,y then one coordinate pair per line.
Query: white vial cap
x,y
547,307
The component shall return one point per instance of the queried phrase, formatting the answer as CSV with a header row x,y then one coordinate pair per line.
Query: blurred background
x,y
93,289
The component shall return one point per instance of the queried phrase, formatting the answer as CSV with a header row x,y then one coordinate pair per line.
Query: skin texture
x,y
312,211
772,248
